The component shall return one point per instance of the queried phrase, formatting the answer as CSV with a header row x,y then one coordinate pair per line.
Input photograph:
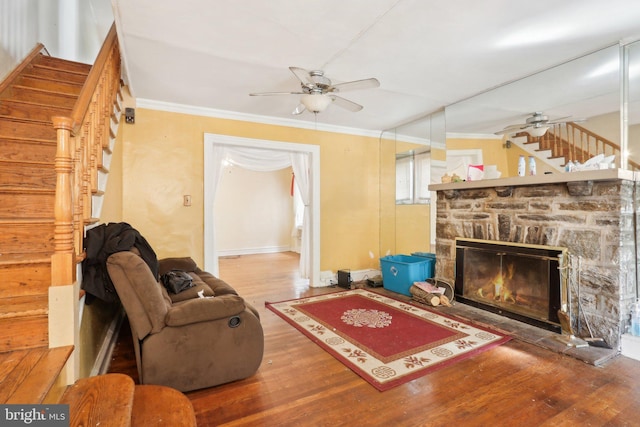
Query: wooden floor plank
x,y
298,383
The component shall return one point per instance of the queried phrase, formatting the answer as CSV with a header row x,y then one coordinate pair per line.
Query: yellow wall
x,y
388,197
412,229
493,153
162,160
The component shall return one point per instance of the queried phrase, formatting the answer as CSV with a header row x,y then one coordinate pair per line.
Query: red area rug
x,y
385,341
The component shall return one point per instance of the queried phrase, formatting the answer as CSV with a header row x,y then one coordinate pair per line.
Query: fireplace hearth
x,y
522,282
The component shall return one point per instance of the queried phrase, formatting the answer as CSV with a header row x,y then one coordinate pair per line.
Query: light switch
x,y
187,200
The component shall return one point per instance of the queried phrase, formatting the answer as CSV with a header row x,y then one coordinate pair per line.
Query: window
x,y
413,171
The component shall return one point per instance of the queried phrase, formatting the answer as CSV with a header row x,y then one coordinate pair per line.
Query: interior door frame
x,y
210,140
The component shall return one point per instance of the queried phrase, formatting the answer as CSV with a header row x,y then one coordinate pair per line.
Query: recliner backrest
x,y
139,291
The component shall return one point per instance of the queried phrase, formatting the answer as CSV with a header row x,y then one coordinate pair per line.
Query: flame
x,y
497,290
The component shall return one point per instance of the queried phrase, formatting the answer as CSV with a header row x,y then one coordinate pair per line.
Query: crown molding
x,y
454,135
255,118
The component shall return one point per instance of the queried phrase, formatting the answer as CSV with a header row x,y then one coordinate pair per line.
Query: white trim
x,y
251,251
255,118
103,359
210,139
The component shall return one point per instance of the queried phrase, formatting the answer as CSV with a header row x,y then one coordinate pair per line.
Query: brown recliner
x,y
186,341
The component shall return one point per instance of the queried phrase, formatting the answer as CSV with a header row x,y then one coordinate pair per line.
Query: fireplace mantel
x,y
553,178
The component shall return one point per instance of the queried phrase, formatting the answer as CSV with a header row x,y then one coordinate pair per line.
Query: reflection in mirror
x,y
633,101
407,159
584,91
413,177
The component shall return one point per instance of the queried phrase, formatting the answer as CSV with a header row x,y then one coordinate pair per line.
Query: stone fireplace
x,y
590,213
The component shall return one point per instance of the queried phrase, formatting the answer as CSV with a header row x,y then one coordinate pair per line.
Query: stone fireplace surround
x,y
591,213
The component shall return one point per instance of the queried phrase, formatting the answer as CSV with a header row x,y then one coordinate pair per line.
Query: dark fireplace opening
x,y
522,282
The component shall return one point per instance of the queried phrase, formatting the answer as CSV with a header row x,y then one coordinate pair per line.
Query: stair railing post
x,y
63,269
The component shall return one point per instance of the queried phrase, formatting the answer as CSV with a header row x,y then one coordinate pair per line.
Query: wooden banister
x,y
81,138
93,79
7,81
576,143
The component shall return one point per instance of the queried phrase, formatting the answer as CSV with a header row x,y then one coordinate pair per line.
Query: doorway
x,y
214,144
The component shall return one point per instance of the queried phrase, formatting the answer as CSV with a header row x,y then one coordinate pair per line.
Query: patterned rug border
x,y
423,366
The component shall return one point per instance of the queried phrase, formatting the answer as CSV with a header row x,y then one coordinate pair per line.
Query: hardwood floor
x,y
299,384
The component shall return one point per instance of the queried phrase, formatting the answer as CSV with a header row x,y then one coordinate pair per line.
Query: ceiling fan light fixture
x,y
315,102
537,131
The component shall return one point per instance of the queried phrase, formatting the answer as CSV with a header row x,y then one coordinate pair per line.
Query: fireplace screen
x,y
517,281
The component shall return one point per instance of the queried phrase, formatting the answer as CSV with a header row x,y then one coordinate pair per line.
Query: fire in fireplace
x,y
522,282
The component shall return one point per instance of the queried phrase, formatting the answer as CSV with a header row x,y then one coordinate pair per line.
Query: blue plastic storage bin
x,y
400,271
424,254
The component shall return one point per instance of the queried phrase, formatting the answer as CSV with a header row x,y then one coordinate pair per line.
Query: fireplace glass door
x,y
518,281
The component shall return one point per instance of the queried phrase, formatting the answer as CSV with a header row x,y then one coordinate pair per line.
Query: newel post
x,y
63,268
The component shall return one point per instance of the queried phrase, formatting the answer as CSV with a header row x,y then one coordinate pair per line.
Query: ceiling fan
x,y
535,125
318,92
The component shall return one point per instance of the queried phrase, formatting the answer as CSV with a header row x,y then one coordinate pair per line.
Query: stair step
x,y
34,175
24,274
24,306
100,400
63,64
27,236
57,74
27,150
30,110
22,332
25,203
49,84
19,128
28,376
40,96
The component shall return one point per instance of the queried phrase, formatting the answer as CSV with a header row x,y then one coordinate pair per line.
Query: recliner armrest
x,y
204,309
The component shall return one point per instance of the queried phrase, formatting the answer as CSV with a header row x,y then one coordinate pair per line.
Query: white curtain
x,y
262,160
257,159
300,165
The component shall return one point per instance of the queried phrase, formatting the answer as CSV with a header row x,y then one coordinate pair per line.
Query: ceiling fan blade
x,y
512,129
299,109
275,93
559,120
302,75
346,104
356,85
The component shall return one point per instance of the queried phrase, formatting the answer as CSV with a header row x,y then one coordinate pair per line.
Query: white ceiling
x,y
427,54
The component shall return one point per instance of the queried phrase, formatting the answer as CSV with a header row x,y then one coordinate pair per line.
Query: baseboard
x,y
252,251
103,359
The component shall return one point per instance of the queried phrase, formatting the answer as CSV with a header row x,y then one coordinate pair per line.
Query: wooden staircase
x,y
58,121
40,88
56,125
570,142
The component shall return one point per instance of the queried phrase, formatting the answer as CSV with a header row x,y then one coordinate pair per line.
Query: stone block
x,y
582,242
580,188
504,191
547,191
